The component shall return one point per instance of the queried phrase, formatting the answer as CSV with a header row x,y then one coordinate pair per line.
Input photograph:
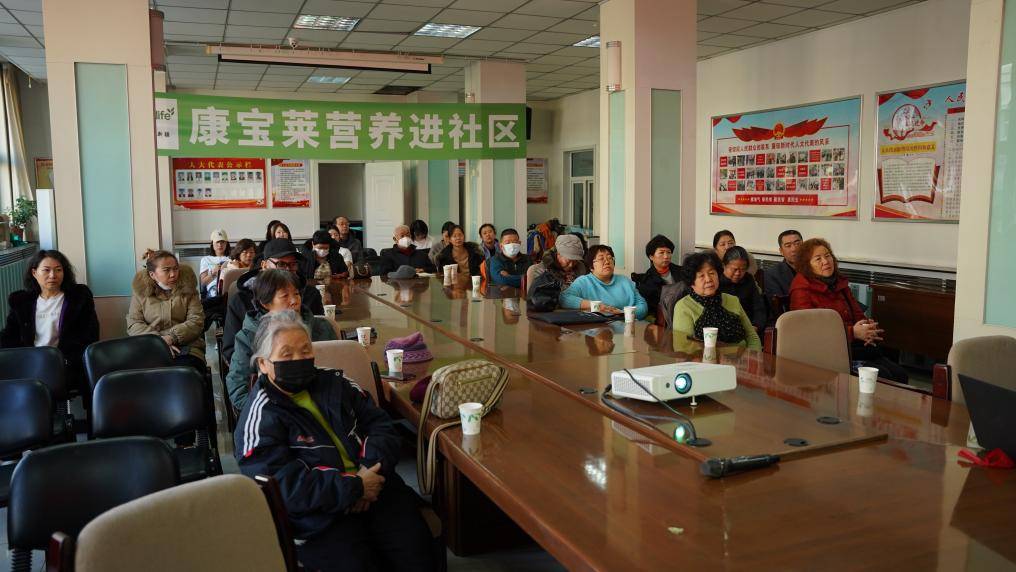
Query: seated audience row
x,y
706,306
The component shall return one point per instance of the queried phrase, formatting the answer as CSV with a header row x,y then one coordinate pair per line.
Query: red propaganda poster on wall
x,y
290,183
794,162
214,183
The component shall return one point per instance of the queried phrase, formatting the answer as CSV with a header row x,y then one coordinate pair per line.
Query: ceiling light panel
x,y
446,30
328,79
310,22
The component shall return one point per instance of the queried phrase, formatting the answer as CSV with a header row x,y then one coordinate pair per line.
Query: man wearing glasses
x,y
779,277
278,253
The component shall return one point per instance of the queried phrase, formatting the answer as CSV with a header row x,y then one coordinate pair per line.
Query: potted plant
x,y
21,216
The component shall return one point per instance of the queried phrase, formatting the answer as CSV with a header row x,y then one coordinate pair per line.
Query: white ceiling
x,y
538,32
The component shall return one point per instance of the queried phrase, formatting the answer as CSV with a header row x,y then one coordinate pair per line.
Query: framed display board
x,y
218,183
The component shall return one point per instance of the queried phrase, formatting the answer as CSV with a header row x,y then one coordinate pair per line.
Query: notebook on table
x,y
567,317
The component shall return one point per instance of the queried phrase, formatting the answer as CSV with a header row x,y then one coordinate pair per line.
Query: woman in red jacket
x,y
819,284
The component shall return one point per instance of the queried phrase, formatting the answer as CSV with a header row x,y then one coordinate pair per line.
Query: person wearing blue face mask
x,y
333,453
509,265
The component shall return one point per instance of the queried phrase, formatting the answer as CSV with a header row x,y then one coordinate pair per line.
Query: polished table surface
x,y
599,494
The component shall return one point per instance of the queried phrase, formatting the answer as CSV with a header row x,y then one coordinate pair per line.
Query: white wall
x,y
34,122
567,124
921,44
340,186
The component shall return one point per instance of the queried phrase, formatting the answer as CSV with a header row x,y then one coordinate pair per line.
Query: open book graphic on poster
x,y
907,181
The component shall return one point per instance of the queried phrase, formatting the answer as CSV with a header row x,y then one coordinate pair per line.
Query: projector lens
x,y
682,383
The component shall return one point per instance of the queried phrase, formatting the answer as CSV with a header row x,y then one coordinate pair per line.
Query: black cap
x,y
321,237
279,247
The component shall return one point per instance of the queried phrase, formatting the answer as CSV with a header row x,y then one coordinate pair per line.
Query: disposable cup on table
x,y
629,314
709,336
867,379
330,311
363,335
471,414
594,305
394,360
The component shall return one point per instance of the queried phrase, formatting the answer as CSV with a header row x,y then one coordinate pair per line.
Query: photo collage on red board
x,y
784,171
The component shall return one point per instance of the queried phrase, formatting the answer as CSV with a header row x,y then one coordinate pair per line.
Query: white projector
x,y
674,380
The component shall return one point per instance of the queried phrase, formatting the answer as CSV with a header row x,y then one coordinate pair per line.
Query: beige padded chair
x,y
228,278
991,359
221,523
352,359
815,337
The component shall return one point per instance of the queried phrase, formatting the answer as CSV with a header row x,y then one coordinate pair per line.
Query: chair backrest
x,y
351,358
26,415
670,294
133,352
991,359
160,402
815,337
220,523
61,488
43,363
228,278
530,276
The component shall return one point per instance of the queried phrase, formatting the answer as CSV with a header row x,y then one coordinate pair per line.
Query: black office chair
x,y
26,422
45,364
133,352
62,488
167,403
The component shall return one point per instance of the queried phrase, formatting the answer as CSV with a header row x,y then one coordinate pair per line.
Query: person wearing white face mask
x,y
404,253
508,265
322,261
166,302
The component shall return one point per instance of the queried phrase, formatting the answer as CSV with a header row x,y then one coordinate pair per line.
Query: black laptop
x,y
993,412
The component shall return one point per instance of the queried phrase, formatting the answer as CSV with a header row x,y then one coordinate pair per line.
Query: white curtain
x,y
16,142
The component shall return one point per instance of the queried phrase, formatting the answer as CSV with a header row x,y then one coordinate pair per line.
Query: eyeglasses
x,y
604,260
281,265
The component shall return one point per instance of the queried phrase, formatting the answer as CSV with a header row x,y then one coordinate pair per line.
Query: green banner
x,y
211,126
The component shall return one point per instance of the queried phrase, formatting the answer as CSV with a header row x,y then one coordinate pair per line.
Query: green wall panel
x,y
666,164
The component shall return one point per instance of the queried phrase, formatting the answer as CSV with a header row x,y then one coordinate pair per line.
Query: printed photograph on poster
x,y
797,161
218,183
920,153
290,183
536,180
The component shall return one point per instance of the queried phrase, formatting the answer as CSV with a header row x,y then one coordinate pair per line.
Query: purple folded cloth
x,y
414,350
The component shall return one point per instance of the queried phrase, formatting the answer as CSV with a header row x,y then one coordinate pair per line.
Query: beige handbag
x,y
470,381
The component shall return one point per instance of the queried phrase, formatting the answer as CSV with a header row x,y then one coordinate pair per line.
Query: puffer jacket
x,y
177,313
274,436
240,369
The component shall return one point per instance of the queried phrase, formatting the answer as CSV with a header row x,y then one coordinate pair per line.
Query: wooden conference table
x,y
880,489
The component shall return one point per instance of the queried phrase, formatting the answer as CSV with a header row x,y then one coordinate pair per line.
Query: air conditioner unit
x,y
674,380
324,58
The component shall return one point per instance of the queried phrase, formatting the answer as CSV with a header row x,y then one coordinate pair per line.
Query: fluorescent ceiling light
x,y
590,42
446,30
324,58
341,23
331,79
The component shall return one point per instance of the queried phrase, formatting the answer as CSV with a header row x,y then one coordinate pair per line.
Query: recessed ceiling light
x,y
446,30
330,79
341,23
590,42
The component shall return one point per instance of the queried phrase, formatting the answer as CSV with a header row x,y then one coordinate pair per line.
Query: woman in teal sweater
x,y
706,307
614,292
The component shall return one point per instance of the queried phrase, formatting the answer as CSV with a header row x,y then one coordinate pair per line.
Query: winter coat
x,y
392,258
475,258
177,314
806,293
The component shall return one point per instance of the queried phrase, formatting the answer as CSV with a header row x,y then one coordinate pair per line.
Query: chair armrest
x,y
60,553
769,340
941,381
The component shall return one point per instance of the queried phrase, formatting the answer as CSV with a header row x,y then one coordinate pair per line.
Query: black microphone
x,y
718,467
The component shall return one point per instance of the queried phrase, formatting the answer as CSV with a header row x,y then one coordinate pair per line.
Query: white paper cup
x,y
449,273
629,329
470,414
363,335
709,336
476,282
330,311
709,355
865,404
321,290
867,377
394,360
629,314
594,305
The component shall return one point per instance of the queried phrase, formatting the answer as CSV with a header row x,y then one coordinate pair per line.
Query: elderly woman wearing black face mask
x,y
333,453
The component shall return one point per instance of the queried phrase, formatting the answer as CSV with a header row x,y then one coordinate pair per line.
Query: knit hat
x,y
569,246
413,347
405,271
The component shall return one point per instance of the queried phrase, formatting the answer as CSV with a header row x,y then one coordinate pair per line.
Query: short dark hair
x,y
332,227
29,281
657,242
455,227
788,232
508,231
695,261
269,281
240,246
153,256
594,250
721,234
446,228
418,228
803,264
735,253
485,225
321,237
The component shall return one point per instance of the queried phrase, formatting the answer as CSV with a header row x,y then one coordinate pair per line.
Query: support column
x,y
647,129
495,188
102,117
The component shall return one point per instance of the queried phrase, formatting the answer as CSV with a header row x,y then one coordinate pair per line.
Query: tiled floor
x,y
531,559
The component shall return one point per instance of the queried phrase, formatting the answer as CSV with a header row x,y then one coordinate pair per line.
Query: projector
x,y
674,380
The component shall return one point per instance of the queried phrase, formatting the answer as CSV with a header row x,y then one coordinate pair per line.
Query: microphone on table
x,y
721,467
